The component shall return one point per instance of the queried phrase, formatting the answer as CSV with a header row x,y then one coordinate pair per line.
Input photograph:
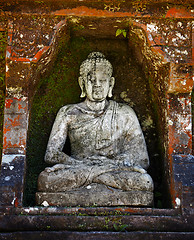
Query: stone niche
x,y
60,87
153,73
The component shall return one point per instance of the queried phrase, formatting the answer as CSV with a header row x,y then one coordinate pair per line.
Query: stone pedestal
x,y
95,195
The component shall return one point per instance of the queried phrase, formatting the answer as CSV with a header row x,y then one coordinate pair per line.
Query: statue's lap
x,y
71,187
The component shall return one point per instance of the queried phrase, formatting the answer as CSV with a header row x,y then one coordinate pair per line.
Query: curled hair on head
x,y
90,64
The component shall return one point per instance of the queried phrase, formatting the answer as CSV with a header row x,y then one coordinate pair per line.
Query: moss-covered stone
x,y
60,87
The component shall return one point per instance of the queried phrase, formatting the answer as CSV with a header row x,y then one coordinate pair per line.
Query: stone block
x,y
15,125
12,180
184,169
15,106
178,54
180,78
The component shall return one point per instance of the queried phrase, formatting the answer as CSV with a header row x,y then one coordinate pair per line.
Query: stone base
x,y
95,195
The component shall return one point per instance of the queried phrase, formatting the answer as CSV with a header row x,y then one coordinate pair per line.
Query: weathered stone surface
x,y
183,171
95,195
82,222
15,125
179,124
90,211
12,180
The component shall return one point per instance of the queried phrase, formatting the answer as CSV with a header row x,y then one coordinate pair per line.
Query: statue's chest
x,y
93,135
85,130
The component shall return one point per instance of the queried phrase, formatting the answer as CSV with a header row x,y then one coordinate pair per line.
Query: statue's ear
x,y
82,86
112,83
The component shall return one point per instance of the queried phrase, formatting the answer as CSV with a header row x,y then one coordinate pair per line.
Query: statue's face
x,y
98,84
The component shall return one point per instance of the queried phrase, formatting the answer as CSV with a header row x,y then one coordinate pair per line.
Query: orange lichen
x,y
179,13
8,103
15,122
85,11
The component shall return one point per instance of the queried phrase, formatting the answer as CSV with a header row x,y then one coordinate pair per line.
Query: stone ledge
x,y
89,211
81,222
97,235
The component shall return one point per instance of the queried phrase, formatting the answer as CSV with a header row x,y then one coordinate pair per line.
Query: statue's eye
x,y
92,79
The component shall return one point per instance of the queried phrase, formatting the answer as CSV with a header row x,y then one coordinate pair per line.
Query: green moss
x,y
59,88
3,42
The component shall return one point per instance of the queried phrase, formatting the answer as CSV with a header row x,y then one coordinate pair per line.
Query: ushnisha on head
x,y
96,81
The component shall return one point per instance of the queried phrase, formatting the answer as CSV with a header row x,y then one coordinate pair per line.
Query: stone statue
x,y
108,161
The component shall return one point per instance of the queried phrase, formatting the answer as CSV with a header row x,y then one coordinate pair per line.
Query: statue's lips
x,y
98,90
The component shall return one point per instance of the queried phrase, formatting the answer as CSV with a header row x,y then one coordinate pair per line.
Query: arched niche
x,y
141,81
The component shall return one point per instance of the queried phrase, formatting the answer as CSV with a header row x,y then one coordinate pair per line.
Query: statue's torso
x,y
94,134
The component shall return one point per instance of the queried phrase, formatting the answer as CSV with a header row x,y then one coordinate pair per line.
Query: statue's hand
x,y
95,160
126,163
55,168
97,157
139,169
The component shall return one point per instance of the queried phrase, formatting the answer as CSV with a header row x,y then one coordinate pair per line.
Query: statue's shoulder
x,y
67,109
126,114
124,109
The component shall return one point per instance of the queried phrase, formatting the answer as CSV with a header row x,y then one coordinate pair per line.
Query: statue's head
x,y
96,79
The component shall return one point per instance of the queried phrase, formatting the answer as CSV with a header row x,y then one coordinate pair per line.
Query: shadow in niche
x,y
61,88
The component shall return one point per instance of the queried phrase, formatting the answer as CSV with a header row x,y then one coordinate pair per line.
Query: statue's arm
x,y
57,140
134,147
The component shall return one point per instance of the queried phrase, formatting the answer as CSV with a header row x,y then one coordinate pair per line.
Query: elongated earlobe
x,y
82,94
112,82
81,84
110,93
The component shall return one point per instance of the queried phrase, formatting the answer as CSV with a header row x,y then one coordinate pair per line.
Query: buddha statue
x,y
108,160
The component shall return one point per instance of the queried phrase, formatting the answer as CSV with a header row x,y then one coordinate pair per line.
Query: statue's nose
x,y
97,82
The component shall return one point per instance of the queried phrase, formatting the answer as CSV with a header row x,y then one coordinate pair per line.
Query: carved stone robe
x,y
107,148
